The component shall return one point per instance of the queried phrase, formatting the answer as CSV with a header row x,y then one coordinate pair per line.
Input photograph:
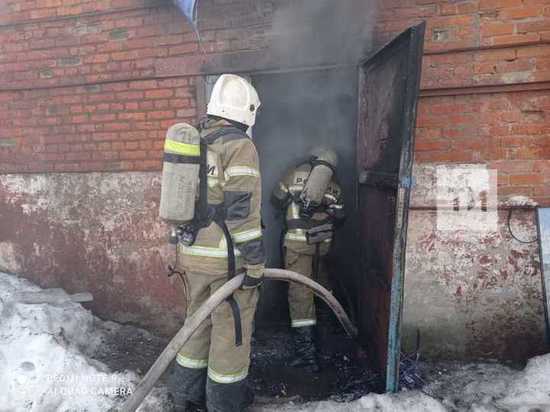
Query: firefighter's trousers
x,y
300,298
212,350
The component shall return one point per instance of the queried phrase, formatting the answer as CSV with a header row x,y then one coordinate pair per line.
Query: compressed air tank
x,y
180,173
324,163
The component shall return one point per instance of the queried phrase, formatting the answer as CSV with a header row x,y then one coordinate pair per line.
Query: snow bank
x,y
476,387
43,366
530,390
401,402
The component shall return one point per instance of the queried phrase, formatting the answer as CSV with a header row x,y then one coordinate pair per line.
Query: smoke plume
x,y
302,110
310,32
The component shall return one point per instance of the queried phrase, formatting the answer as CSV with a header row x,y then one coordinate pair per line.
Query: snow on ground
x,y
43,365
401,402
476,387
47,365
482,387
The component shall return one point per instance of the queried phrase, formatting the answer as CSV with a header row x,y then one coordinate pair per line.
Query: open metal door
x,y
543,224
388,93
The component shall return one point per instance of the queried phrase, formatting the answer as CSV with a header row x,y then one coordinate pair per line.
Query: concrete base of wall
x,y
471,289
96,232
469,293
473,294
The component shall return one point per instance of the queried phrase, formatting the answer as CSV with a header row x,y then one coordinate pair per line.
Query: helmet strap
x,y
241,126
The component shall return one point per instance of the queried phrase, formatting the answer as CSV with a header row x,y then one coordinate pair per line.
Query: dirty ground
x,y
62,358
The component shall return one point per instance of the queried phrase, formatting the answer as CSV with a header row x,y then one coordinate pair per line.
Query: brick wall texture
x,y
82,86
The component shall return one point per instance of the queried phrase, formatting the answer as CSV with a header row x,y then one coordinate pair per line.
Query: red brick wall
x,y
507,131
101,127
81,84
485,86
79,89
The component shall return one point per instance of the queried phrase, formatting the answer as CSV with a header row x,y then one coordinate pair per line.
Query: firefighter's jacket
x,y
285,197
234,190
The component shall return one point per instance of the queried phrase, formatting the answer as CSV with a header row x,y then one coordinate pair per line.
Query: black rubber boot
x,y
305,349
228,397
186,388
189,407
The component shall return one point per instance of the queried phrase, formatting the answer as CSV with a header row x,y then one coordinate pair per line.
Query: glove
x,y
253,277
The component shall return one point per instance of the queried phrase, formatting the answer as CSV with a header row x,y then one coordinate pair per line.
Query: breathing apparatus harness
x,y
315,235
205,214
307,206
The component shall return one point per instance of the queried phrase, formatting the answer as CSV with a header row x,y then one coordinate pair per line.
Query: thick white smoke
x,y
309,32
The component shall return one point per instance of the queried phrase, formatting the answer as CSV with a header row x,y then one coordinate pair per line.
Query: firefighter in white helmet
x,y
212,367
312,204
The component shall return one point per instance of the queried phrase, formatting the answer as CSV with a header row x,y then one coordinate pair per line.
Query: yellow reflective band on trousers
x,y
235,171
230,378
180,148
299,323
191,363
215,338
247,235
214,252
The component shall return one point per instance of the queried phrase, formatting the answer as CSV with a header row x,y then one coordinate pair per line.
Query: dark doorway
x,y
367,114
302,110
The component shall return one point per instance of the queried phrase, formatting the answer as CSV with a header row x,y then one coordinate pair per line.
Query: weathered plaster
x,y
471,293
96,232
8,258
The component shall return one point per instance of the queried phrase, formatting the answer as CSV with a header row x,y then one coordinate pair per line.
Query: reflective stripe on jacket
x,y
234,185
288,191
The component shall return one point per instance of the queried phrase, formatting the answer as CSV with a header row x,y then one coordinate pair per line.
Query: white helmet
x,y
234,98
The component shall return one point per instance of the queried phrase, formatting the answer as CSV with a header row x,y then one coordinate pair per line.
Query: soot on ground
x,y
344,376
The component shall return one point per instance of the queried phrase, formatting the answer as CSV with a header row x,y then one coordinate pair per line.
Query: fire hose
x,y
218,297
